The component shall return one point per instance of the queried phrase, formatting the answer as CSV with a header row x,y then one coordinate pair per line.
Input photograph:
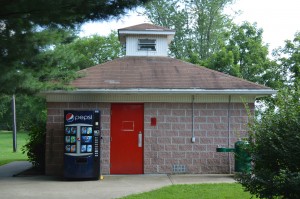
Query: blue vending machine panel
x,y
81,148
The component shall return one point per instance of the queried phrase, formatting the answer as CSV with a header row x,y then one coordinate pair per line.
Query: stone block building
x,y
158,114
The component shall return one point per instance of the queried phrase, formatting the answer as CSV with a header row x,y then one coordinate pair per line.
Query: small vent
x,y
147,44
177,168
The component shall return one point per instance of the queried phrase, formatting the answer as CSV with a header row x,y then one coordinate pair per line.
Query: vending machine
x,y
82,144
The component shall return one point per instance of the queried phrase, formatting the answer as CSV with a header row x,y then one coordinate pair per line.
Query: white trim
x,y
143,98
147,32
262,92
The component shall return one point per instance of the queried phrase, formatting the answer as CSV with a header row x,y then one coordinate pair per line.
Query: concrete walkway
x,y
113,186
13,168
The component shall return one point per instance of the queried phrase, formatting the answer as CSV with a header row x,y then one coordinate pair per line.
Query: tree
x,y
275,150
59,63
210,25
64,12
249,52
62,62
223,61
199,25
28,109
171,14
21,21
274,140
288,57
5,105
30,73
30,28
96,49
243,54
207,37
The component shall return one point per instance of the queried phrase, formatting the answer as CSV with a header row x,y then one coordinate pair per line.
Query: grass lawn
x,y
6,147
197,191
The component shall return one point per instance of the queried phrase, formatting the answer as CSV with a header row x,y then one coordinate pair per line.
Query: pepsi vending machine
x,y
81,148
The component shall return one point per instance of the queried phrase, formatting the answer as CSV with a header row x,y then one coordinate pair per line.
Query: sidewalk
x,y
113,186
13,168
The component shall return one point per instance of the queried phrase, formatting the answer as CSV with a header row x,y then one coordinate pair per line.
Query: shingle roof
x,y
146,26
157,73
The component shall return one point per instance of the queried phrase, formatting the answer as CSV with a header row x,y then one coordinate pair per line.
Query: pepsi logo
x,y
69,117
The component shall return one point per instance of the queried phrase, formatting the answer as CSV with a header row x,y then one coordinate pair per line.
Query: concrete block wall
x,y
169,142
55,133
166,144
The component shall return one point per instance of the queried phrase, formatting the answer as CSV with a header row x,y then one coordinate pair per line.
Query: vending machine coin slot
x,y
81,160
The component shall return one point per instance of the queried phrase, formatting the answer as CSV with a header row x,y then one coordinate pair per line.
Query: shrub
x,y
35,146
275,150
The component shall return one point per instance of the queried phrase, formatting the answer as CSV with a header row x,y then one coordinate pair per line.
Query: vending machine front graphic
x,y
82,144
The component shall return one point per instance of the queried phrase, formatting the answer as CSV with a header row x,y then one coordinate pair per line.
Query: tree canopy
x,y
274,140
208,37
62,62
275,151
242,53
29,31
288,57
23,25
61,12
199,25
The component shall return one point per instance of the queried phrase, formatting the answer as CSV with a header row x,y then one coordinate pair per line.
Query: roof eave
x,y
169,33
257,92
148,32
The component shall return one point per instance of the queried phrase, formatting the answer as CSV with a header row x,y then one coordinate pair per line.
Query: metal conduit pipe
x,y
228,129
193,120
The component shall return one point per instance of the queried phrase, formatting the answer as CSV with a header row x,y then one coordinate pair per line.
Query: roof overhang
x,y
256,92
169,34
156,95
146,32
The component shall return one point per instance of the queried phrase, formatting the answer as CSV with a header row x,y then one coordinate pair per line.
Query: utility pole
x,y
14,123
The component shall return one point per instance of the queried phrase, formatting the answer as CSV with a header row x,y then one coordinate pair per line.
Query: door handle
x,y
140,139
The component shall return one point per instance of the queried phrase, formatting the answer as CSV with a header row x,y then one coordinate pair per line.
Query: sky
x,y
280,20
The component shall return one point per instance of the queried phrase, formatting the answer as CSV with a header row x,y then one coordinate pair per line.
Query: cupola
x,y
146,40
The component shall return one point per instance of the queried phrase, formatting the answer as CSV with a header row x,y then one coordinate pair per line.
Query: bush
x,y
35,146
275,150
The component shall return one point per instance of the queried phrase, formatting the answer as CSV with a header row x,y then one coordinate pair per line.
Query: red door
x,y
127,139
